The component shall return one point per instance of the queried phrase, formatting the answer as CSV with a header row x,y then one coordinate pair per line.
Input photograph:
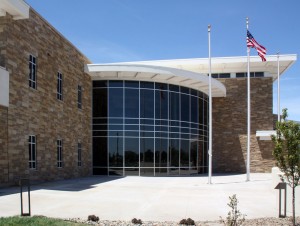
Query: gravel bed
x,y
270,221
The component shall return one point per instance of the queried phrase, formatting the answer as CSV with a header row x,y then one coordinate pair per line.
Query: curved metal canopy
x,y
152,73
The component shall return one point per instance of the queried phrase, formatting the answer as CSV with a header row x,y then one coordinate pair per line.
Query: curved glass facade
x,y
148,129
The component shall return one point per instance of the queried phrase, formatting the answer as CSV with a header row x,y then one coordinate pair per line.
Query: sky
x,y
108,31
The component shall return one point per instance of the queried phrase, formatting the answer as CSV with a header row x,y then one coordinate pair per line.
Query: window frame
x,y
59,88
32,149
59,150
32,79
79,154
79,96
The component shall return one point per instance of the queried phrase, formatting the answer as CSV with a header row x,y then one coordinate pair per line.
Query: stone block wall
x,y
38,111
230,126
3,146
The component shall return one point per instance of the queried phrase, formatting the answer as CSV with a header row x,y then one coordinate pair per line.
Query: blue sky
x,y
133,30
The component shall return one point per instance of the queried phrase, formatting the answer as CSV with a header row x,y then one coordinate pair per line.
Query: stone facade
x,y
230,126
38,111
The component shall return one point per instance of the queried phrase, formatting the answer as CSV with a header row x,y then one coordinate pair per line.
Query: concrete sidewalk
x,y
147,198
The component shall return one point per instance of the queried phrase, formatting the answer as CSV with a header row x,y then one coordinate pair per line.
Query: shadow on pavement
x,y
72,185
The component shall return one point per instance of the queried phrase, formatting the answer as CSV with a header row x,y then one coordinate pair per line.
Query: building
x,y
63,117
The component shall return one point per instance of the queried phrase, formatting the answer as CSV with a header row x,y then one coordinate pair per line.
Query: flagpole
x,y
210,113
248,108
278,89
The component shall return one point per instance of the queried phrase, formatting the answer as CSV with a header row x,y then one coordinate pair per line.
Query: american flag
x,y
252,43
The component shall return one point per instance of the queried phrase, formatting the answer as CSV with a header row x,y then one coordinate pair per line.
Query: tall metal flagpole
x,y
210,113
248,108
278,90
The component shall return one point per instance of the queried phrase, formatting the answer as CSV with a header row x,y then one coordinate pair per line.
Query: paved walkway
x,y
147,198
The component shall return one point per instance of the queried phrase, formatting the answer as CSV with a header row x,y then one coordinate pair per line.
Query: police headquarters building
x,y
62,116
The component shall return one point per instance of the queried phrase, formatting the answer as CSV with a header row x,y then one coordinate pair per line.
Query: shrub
x,y
234,216
136,221
93,218
188,221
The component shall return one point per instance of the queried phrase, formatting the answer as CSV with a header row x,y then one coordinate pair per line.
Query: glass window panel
x,y
161,86
100,133
194,109
185,90
116,171
99,120
99,171
147,128
147,152
132,84
132,103
100,127
185,107
131,152
115,151
161,128
161,152
174,152
147,103
224,75
132,134
116,121
149,85
147,172
174,106
131,171
131,121
100,102
194,152
100,151
184,153
146,134
132,127
115,127
116,133
174,88
161,104
115,83
160,134
115,102
100,84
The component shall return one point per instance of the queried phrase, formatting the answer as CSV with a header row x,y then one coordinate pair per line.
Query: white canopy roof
x,y
190,73
229,64
132,71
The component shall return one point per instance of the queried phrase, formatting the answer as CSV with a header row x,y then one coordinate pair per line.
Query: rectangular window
x,y
32,151
79,154
252,74
59,154
79,97
32,72
59,86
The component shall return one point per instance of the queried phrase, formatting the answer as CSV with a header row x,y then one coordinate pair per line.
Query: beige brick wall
x,y
38,112
230,126
3,146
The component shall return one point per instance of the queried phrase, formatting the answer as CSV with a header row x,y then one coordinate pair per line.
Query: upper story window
x,y
220,75
32,71
252,74
79,96
59,86
32,151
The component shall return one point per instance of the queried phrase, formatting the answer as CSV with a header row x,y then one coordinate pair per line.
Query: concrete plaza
x,y
147,198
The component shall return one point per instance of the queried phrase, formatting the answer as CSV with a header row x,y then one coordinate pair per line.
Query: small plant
x,y
93,218
234,216
188,221
136,221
